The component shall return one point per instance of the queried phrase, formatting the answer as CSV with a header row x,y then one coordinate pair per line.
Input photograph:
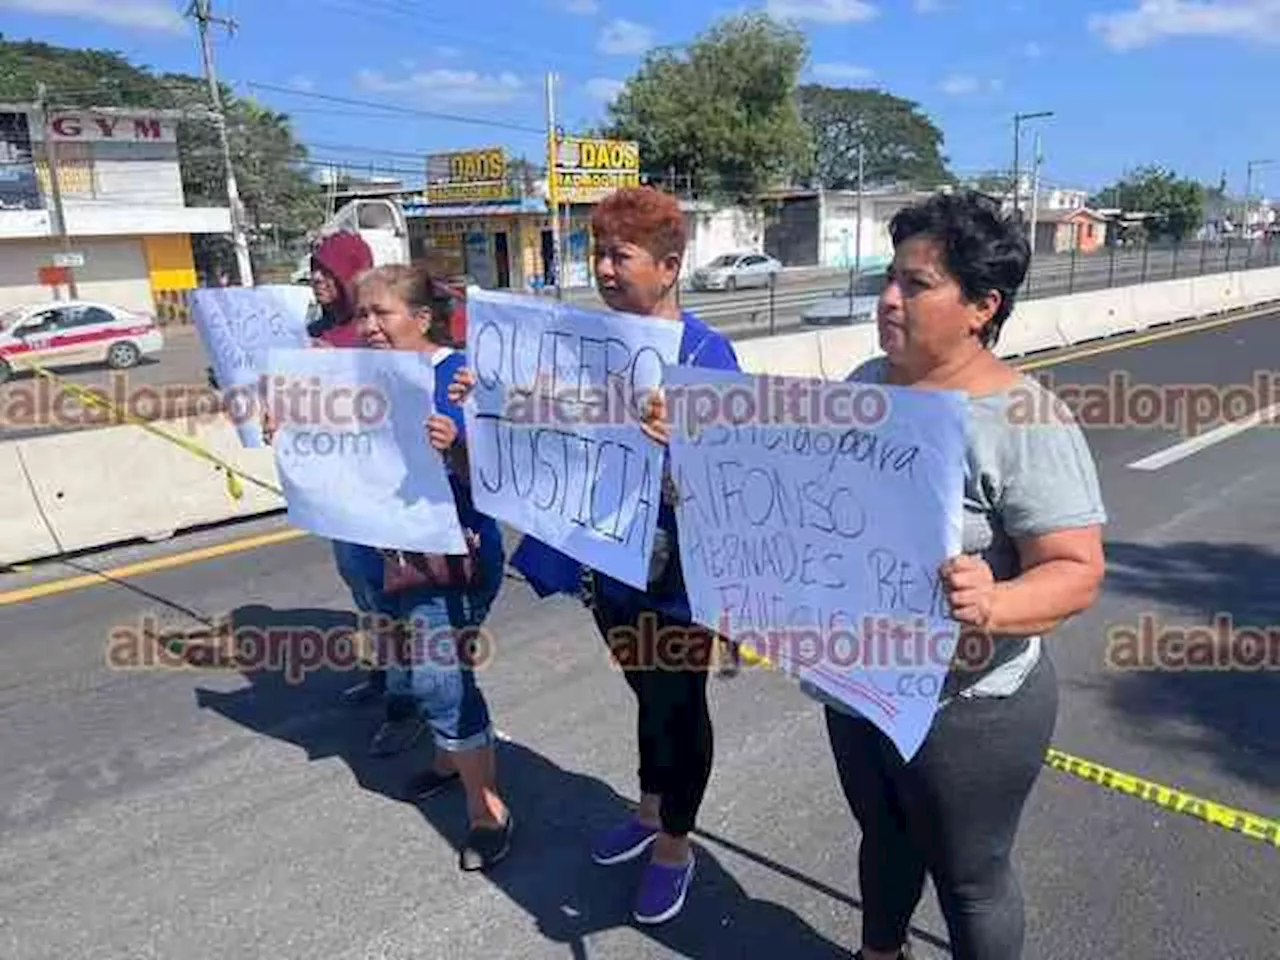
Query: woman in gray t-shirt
x,y
1032,543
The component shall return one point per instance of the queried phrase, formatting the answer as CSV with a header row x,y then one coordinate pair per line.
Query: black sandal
x,y
487,846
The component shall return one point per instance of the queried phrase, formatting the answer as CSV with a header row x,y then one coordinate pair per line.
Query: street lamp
x,y
1248,188
1017,142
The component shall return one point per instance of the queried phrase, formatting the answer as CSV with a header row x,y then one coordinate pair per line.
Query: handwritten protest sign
x,y
813,519
351,448
237,326
553,425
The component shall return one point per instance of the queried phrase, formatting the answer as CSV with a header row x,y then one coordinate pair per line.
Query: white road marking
x,y
1186,448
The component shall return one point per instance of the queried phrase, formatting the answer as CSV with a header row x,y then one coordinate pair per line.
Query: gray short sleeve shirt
x,y
1028,472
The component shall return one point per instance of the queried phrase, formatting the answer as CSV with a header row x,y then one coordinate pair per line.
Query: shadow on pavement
x,y
548,874
1224,589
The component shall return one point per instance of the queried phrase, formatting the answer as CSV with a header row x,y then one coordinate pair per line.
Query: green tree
x,y
723,113
899,143
282,201
1179,203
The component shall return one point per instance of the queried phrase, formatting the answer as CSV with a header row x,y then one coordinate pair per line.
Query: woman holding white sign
x,y
1032,557
437,604
640,238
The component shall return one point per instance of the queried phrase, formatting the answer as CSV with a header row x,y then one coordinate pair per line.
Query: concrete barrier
x,y
1091,316
790,355
23,533
93,488
843,350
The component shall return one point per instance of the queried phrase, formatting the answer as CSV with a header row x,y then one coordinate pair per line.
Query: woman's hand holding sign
x,y
654,423
971,590
463,381
441,431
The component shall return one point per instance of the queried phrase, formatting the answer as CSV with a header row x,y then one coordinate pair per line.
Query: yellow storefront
x,y
475,220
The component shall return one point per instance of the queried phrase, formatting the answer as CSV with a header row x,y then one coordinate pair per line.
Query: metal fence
x,y
792,299
1062,274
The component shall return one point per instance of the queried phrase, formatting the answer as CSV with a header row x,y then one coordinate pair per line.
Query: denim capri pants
x,y
436,667
361,570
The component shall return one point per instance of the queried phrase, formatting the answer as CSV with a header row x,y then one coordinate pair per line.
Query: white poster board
x,y
237,326
813,520
352,452
553,425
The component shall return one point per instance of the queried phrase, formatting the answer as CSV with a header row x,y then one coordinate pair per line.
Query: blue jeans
x,y
361,570
435,667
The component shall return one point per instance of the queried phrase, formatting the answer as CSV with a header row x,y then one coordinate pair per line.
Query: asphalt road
x,y
209,815
30,406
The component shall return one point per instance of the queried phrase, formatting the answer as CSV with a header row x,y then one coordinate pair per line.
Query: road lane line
x,y
235,546
1185,448
186,558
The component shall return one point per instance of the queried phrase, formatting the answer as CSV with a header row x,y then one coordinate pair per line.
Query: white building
x,y
839,242
130,229
714,231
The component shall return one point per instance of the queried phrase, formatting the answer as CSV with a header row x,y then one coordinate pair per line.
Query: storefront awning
x,y
440,210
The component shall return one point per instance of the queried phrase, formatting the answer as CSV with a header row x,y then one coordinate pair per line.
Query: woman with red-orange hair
x,y
640,239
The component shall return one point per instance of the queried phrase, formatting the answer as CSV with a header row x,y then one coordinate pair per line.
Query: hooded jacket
x,y
344,256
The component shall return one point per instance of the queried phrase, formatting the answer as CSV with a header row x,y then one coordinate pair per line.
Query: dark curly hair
x,y
983,249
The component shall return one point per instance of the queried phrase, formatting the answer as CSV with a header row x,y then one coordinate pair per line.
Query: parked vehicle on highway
x,y
856,303
735,271
72,332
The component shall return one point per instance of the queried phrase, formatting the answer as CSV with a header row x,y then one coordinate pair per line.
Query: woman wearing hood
x,y
335,265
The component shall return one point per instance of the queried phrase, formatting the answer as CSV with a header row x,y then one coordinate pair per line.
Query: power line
x,y
392,108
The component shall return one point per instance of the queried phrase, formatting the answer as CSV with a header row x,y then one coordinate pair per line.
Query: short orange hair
x,y
644,216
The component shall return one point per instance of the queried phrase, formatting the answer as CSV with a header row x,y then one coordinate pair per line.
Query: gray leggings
x,y
953,811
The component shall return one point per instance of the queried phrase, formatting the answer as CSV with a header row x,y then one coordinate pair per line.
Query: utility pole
x,y
1248,190
55,182
1018,118
857,241
201,11
1035,199
553,183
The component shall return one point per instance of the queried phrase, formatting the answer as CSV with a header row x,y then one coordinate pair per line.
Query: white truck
x,y
379,222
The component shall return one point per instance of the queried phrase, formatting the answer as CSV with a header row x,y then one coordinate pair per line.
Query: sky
x,y
1187,84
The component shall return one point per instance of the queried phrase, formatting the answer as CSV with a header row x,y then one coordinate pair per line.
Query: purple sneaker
x,y
662,892
623,843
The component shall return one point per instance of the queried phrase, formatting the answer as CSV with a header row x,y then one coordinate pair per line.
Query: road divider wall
x,y
1035,326
23,533
92,488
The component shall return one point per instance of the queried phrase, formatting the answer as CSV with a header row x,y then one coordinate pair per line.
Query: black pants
x,y
953,811
666,663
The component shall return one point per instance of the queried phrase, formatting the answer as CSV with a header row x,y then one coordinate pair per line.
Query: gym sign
x,y
588,169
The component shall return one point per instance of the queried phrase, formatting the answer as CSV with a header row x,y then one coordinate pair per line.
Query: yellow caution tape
x,y
234,487
1251,825
1247,824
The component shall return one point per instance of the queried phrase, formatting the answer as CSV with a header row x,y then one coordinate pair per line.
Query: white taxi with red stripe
x,y
71,332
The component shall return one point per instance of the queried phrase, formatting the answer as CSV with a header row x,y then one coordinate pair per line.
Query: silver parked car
x,y
854,304
735,271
